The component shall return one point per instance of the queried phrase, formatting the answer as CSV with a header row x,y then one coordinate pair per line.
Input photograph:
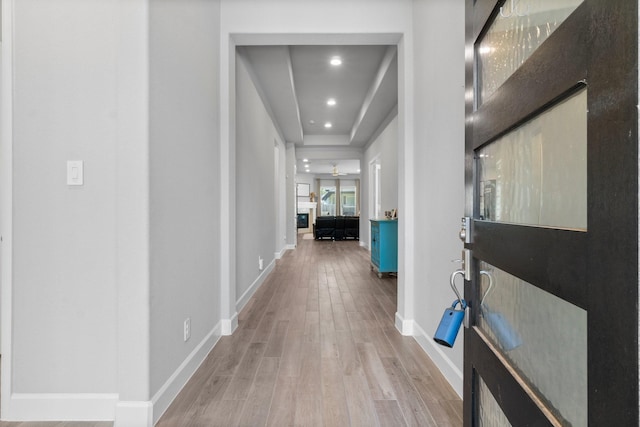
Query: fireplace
x,y
303,220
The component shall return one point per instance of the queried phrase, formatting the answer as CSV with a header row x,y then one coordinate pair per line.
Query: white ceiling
x,y
295,83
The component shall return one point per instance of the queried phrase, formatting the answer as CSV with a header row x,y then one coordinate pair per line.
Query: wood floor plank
x,y
348,352
444,414
308,413
328,342
312,326
379,382
359,401
221,413
335,411
256,408
283,404
389,413
244,377
265,327
291,360
359,327
275,344
309,381
340,319
347,300
415,412
236,349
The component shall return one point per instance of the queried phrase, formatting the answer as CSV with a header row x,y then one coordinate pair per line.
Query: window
x,y
348,200
328,200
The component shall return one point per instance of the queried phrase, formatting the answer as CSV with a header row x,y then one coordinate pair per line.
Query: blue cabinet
x,y
384,246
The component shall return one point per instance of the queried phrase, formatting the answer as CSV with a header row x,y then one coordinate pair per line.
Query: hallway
x,y
316,346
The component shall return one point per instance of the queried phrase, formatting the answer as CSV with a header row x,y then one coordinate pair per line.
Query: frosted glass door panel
x,y
543,337
537,174
518,30
491,414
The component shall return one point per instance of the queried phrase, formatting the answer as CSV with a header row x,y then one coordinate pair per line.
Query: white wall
x,y
385,149
92,328
184,184
439,169
64,251
256,195
60,299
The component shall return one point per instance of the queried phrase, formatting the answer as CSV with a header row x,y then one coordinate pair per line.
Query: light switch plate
x,y
75,172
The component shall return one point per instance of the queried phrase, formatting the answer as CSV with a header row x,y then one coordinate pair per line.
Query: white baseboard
x,y
181,376
283,251
290,247
62,406
450,371
227,326
404,326
244,299
134,414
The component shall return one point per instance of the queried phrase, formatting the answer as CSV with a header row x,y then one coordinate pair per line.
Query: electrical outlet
x,y
260,263
187,328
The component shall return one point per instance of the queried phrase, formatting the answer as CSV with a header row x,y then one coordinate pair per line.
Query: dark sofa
x,y
337,227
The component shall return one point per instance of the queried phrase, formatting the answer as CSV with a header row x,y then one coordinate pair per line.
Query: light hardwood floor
x,y
315,346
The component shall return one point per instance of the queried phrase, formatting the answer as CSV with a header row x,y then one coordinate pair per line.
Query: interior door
x,y
552,193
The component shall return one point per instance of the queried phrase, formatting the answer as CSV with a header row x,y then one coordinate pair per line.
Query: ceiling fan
x,y
336,173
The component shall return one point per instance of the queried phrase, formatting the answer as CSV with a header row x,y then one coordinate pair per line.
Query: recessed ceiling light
x,y
312,122
335,61
328,125
358,170
331,102
305,160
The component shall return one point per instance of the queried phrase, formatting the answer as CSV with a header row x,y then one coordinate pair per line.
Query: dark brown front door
x,y
552,191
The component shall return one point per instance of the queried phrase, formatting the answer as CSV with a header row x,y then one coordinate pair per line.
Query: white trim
x,y
405,327
244,299
134,414
406,179
6,209
230,38
63,406
227,326
449,369
168,392
279,255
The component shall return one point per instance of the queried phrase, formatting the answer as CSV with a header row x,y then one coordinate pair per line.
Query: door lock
x,y
465,231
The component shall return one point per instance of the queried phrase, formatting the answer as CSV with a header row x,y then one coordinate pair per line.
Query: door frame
x,y
229,41
6,206
609,248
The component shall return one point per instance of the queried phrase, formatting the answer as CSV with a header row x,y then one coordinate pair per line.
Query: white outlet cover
x,y
187,329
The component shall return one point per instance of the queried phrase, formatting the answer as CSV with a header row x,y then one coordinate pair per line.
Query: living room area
x,y
328,207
